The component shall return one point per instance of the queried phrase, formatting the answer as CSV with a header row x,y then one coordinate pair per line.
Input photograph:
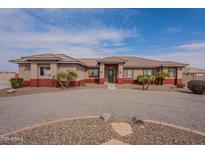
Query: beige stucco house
x,y
37,70
191,73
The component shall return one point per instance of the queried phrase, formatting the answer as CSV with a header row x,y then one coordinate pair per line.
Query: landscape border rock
x,y
137,120
106,117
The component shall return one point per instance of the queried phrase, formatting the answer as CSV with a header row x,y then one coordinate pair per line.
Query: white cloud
x,y
195,58
192,46
21,38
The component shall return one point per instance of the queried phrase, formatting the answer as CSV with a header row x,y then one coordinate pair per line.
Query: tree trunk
x,y
161,81
147,86
67,83
143,86
60,82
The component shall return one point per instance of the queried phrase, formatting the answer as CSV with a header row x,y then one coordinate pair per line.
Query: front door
x,y
110,76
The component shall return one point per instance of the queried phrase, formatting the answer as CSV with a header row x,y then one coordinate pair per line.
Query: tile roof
x,y
90,61
112,59
59,58
129,61
194,70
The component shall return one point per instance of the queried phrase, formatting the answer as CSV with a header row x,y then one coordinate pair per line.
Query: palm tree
x,y
61,78
144,80
161,75
71,75
65,78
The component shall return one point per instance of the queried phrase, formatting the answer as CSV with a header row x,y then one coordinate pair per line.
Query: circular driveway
x,y
177,108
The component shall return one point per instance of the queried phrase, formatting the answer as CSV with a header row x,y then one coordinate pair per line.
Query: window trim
x,y
171,69
153,74
93,75
126,77
44,67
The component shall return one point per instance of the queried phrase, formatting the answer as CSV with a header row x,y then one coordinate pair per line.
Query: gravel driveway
x,y
178,108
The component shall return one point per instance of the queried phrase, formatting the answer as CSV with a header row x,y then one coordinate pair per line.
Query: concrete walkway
x,y
111,86
177,108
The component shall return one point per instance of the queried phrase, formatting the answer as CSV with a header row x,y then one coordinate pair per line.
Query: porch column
x,y
179,75
54,71
120,74
102,73
34,75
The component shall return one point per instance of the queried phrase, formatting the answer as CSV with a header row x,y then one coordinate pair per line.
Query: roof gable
x,y
128,61
112,59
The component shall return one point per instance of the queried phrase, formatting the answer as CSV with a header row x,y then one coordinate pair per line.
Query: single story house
x,y
37,70
192,73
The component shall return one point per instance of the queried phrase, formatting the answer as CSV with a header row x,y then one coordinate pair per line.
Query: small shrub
x,y
196,86
180,85
16,82
144,80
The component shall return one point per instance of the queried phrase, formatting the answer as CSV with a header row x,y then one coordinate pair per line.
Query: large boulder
x,y
196,86
106,117
136,119
11,91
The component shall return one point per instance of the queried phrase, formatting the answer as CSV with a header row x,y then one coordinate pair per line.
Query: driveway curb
x,y
46,123
89,117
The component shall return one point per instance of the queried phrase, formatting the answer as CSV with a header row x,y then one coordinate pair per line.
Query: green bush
x,y
196,86
16,82
144,80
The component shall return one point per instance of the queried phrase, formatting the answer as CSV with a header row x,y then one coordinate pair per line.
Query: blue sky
x,y
164,34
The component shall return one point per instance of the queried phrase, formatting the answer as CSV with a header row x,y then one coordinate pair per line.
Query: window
x,y
45,71
27,67
94,72
128,73
148,72
172,72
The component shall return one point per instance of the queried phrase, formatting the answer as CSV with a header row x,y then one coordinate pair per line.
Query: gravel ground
x,y
37,90
159,134
172,107
27,91
95,131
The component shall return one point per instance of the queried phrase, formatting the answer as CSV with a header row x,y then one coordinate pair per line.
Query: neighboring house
x,y
191,73
6,76
37,70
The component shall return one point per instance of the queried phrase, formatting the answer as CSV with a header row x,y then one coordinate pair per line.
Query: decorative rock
x,y
106,116
114,142
137,120
142,126
122,128
11,91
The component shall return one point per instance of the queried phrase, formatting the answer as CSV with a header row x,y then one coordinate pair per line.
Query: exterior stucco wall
x,y
32,75
137,72
66,67
81,71
179,73
24,72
